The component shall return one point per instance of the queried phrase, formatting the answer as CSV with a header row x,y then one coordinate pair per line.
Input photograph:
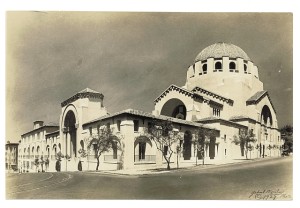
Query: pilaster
x,y
127,130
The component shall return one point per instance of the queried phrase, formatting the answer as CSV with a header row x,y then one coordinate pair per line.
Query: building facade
x,y
222,93
33,148
11,156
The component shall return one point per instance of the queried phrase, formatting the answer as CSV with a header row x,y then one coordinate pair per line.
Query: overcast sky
x,y
131,58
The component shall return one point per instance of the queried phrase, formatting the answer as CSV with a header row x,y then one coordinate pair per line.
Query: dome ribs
x,y
221,49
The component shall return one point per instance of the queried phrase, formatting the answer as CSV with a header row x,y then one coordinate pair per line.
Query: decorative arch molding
x,y
72,108
176,108
266,116
142,138
177,89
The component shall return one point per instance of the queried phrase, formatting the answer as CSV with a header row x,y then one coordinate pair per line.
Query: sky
x,y
131,58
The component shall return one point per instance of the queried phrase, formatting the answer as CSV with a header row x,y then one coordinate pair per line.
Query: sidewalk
x,y
183,165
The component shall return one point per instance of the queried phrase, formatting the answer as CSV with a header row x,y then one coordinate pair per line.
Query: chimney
x,y
37,124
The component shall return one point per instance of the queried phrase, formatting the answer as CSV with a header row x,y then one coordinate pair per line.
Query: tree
x,y
244,139
250,149
270,147
82,154
47,163
104,141
164,135
59,156
42,162
287,136
178,152
202,138
36,163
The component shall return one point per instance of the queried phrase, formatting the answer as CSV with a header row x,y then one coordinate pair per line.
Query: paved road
x,y
261,179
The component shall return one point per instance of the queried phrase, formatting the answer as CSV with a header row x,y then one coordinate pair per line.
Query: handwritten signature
x,y
267,194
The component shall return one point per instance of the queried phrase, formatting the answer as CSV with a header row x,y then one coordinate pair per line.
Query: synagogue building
x,y
222,92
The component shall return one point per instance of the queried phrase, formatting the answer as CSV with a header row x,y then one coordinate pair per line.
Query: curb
x,y
175,170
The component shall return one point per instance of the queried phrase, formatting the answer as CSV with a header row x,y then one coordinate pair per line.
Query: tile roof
x,y
241,117
173,87
195,93
148,115
238,117
53,132
40,128
86,93
88,90
257,97
217,119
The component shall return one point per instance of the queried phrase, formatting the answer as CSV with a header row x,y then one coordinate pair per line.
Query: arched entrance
x,y
266,116
266,123
212,147
143,150
187,145
70,133
174,108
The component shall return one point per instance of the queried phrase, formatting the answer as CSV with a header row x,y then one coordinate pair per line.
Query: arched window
x,y
232,65
218,65
245,68
204,68
48,151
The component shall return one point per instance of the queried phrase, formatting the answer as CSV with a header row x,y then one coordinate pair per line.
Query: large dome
x,y
219,50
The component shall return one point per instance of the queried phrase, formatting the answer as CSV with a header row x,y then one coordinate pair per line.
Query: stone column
x,y
225,64
68,137
192,151
210,65
127,130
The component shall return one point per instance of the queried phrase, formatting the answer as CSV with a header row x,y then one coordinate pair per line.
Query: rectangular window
x,y
136,125
142,150
98,129
115,151
91,131
119,125
216,112
165,150
150,125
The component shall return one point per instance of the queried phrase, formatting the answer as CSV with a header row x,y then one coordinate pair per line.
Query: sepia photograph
x,y
149,105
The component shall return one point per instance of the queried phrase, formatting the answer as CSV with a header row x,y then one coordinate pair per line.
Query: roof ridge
x,y
88,90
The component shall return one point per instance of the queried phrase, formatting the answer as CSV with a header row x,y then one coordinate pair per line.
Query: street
x,y
269,179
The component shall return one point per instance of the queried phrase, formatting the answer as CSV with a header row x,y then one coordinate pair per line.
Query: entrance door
x,y
142,150
212,148
187,148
